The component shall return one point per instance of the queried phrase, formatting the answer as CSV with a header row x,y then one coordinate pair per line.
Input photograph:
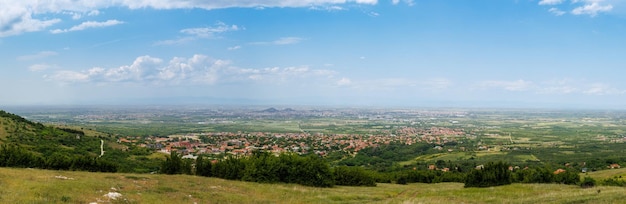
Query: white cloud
x,y
556,11
281,41
288,41
69,76
408,2
519,85
579,7
327,8
592,8
198,69
373,14
603,89
344,82
40,67
277,75
172,4
16,17
560,86
234,47
88,24
40,55
93,13
208,32
554,87
175,41
550,2
558,90
197,33
15,25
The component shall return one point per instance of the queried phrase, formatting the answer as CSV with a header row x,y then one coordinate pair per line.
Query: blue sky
x,y
501,53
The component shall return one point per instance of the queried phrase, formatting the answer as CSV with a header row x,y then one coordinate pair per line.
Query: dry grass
x,y
41,186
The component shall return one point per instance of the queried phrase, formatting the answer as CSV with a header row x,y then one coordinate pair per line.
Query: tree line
x,y
264,167
12,155
314,171
500,173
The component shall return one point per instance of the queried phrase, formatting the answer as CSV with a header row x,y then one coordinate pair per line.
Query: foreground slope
x,y
44,186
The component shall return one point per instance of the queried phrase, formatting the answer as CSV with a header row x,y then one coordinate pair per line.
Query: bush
x,y
353,176
588,182
613,182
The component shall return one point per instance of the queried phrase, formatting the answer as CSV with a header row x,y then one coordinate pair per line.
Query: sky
x,y
432,53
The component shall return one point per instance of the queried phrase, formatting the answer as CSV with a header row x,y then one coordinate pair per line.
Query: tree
x,y
203,168
172,164
493,174
314,172
567,177
262,167
353,176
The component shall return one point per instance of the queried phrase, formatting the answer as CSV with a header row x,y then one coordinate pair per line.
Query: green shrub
x,y
353,176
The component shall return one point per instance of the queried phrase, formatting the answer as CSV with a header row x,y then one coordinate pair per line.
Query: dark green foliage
x,y
230,168
203,167
69,130
545,175
260,167
15,156
535,175
19,119
403,180
428,176
263,168
383,157
493,174
314,171
613,182
187,166
173,164
567,177
353,176
588,182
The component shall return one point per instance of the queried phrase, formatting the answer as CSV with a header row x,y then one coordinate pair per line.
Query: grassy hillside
x,y
69,147
44,186
10,126
609,173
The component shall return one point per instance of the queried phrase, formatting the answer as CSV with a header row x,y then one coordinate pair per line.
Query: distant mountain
x,y
274,110
270,110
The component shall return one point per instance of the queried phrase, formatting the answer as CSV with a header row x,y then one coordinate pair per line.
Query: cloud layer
x,y
87,25
17,17
196,70
578,7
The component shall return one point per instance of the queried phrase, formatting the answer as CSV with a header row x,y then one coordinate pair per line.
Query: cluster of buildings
x,y
238,143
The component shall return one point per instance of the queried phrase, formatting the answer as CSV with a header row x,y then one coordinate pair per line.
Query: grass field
x,y
609,173
42,186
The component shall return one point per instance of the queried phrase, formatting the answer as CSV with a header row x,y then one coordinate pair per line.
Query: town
x,y
242,143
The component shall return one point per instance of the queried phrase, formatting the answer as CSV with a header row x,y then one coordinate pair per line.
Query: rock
x,y
113,195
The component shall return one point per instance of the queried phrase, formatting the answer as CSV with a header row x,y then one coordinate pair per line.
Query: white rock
x,y
113,195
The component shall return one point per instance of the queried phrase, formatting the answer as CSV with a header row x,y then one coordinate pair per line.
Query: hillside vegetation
x,y
30,144
46,186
